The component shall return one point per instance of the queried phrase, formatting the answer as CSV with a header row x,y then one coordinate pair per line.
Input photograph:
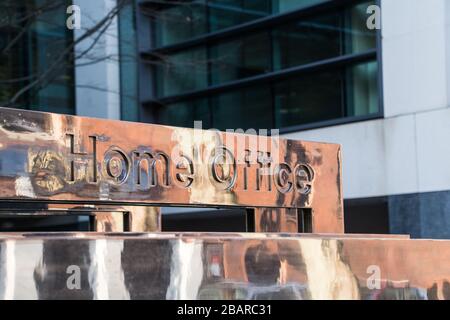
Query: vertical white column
x,y
97,74
415,56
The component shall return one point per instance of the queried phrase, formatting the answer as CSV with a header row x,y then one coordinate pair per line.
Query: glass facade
x,y
245,108
129,103
299,63
184,114
177,21
240,58
327,95
31,52
182,72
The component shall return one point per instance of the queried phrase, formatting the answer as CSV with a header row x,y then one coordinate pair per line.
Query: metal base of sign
x,y
221,266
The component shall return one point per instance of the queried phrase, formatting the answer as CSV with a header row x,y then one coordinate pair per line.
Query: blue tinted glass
x,y
249,108
179,22
362,89
184,114
228,13
182,72
44,41
129,103
243,58
308,99
280,6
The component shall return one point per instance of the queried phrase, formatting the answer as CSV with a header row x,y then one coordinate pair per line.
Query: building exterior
x,y
398,164
311,68
259,64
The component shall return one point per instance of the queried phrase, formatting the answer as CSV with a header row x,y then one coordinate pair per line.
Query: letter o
x,y
116,166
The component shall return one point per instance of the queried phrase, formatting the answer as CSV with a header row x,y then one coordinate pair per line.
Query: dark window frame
x,y
29,50
269,23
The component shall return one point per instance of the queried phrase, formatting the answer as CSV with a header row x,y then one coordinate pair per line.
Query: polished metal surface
x,y
103,218
119,174
221,266
74,160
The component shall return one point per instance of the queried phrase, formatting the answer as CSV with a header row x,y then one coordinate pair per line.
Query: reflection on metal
x,y
159,266
103,218
108,222
275,220
65,159
143,219
119,174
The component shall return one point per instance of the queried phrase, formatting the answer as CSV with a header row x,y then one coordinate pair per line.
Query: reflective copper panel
x,y
119,174
247,266
68,159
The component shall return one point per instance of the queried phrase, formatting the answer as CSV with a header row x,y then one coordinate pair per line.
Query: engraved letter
x,y
304,176
264,161
157,169
224,168
116,166
185,171
79,161
283,178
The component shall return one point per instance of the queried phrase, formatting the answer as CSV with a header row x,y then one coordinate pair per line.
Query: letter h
x,y
80,161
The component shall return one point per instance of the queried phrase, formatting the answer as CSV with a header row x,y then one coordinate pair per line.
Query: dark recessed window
x,y
361,86
367,216
242,58
228,13
310,98
178,22
129,103
184,114
280,6
28,52
182,72
326,95
229,112
304,70
307,41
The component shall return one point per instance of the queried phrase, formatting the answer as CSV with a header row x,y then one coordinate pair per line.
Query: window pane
x,y
307,41
47,38
229,13
319,97
308,99
358,37
185,113
249,108
12,64
129,101
323,37
333,92
29,49
182,72
362,89
179,22
246,57
287,5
